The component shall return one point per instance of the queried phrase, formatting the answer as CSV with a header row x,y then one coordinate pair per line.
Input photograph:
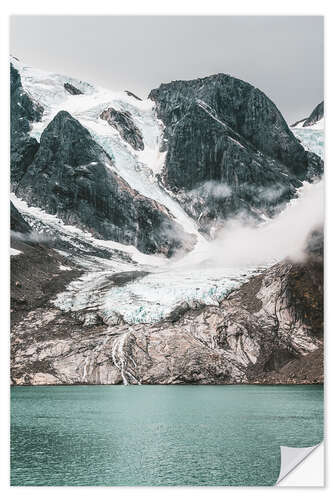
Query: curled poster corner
x,y
291,458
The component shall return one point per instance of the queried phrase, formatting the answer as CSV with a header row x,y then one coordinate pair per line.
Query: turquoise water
x,y
159,435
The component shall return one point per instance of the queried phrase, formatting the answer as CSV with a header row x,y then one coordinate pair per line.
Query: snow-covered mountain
x,y
125,199
315,121
174,165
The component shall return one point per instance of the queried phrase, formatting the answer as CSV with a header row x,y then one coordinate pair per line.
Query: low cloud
x,y
239,243
213,189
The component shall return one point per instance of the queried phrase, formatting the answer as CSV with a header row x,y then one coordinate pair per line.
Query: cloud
x,y
239,243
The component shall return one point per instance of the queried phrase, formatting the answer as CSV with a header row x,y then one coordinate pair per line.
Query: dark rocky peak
x,y
71,89
72,177
123,122
23,107
65,141
133,95
239,105
222,130
17,222
23,111
316,115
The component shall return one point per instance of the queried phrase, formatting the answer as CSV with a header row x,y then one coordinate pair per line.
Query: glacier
x,y
311,138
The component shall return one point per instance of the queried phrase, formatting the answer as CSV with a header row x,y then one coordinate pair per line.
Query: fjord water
x,y
159,435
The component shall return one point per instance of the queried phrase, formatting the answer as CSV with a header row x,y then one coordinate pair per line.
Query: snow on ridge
x,y
138,168
53,223
319,125
14,251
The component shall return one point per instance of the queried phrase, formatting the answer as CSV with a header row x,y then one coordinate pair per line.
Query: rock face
x,y
221,130
133,95
268,331
23,111
316,115
17,222
123,122
71,176
71,89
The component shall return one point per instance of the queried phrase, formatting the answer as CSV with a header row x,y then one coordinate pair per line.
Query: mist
x,y
240,244
33,237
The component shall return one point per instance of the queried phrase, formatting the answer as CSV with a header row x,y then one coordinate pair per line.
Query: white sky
x,y
281,55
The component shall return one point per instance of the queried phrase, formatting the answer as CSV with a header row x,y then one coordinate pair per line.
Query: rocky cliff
x,y
72,176
17,222
316,115
221,130
23,111
123,122
268,331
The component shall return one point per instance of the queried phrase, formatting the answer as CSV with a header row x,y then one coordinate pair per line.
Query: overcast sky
x,y
283,56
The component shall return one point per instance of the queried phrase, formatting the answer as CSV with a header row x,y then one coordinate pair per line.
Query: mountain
x,y
315,120
221,130
193,155
17,222
106,187
70,176
23,111
267,331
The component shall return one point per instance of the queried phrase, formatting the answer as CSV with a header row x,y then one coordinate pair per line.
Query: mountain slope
x,y
262,332
70,177
23,111
314,121
131,119
222,130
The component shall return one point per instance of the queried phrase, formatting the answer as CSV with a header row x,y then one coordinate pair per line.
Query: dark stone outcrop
x,y
71,89
123,122
221,130
133,95
316,115
17,222
23,111
71,176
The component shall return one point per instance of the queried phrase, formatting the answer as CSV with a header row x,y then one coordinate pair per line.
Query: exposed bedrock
x,y
270,330
71,89
131,94
23,111
123,122
72,176
221,130
17,223
316,115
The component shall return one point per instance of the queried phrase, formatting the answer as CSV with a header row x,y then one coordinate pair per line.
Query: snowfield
x,y
312,139
320,125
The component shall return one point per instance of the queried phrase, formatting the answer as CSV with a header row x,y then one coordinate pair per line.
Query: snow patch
x,y
13,251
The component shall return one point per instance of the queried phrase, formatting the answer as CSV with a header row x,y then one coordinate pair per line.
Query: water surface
x,y
159,435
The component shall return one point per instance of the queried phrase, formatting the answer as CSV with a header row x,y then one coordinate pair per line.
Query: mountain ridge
x,y
103,181
315,118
